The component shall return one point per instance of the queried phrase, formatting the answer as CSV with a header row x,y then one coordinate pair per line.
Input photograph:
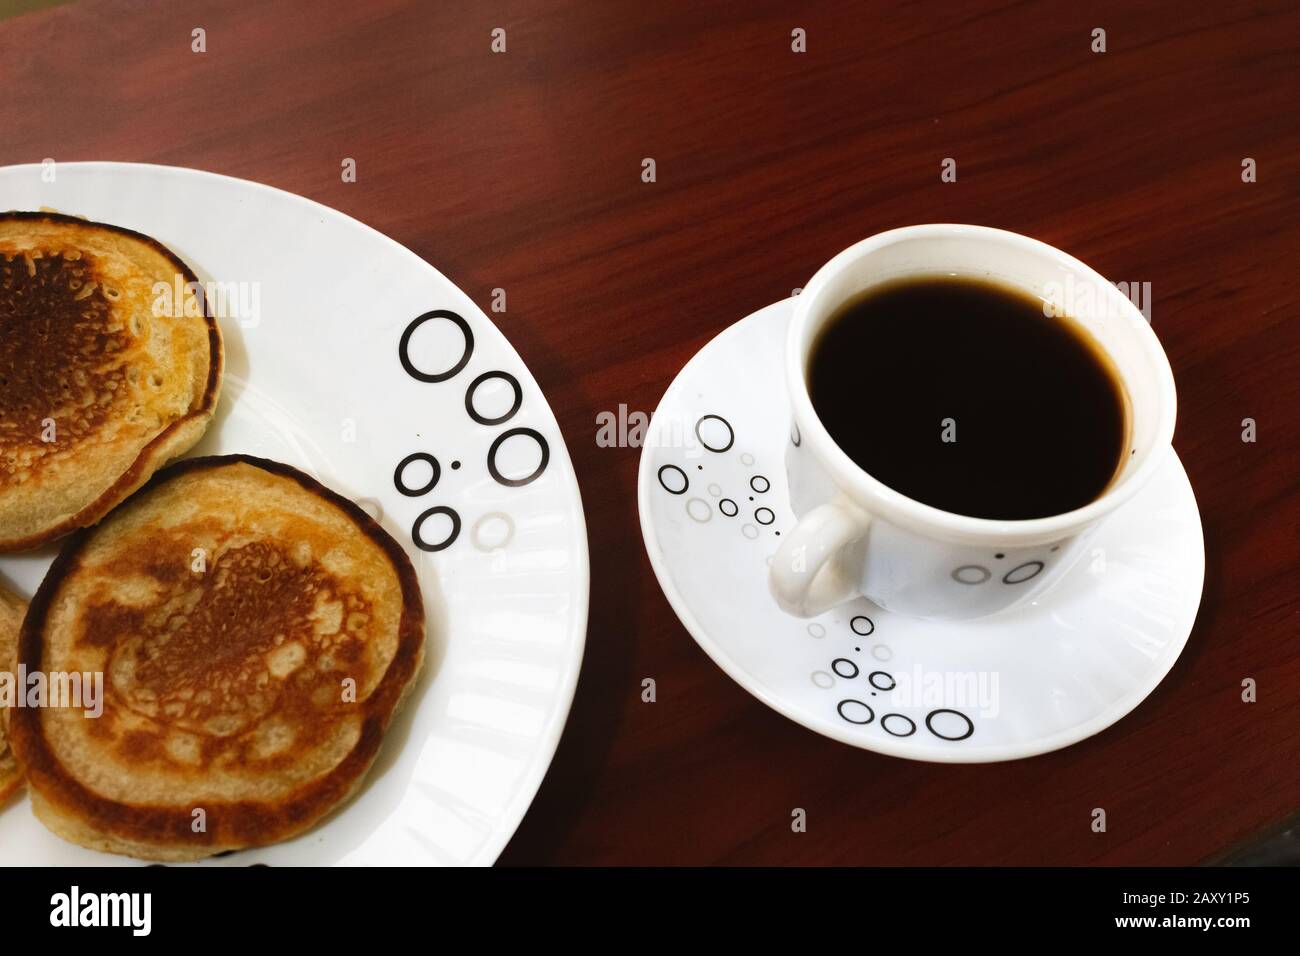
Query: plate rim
x,y
526,792
889,748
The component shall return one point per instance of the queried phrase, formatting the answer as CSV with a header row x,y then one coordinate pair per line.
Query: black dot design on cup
x,y
434,474
861,714
795,438
446,542
760,484
1023,572
404,344
674,480
728,507
897,718
881,681
971,574
859,622
843,667
535,473
929,724
715,447
764,516
486,377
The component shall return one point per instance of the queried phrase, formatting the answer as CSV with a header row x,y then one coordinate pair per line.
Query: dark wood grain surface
x,y
522,171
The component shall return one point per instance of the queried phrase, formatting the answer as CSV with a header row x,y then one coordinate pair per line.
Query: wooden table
x,y
522,171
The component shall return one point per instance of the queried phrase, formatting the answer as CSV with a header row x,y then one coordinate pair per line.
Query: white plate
x,y
317,381
1013,685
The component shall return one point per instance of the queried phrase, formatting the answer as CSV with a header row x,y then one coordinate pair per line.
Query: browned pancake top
x,y
109,366
255,633
261,633
62,353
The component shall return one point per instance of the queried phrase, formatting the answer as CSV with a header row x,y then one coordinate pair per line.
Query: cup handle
x,y
807,578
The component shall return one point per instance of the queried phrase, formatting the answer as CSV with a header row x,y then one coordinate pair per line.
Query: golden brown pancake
x,y
103,379
11,618
256,633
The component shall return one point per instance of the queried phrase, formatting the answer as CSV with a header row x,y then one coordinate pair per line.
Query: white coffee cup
x,y
859,537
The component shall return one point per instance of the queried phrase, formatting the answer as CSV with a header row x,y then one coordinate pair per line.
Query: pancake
x,y
11,617
103,379
230,605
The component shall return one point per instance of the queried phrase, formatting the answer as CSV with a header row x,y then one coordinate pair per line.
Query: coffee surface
x,y
962,394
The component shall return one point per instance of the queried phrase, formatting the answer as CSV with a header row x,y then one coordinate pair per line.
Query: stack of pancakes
x,y
255,632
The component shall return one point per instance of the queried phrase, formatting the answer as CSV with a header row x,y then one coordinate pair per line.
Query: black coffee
x,y
962,394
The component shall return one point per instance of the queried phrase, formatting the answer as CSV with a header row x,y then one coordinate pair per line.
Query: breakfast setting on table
x,y
646,437
248,630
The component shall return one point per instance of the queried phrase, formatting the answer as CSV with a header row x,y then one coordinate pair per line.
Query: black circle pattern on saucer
x,y
527,479
686,482
731,433
401,484
1037,566
853,672
404,345
929,723
728,507
879,684
760,480
446,542
911,725
871,714
764,516
862,621
487,376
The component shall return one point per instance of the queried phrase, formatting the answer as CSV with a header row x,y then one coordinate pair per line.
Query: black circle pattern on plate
x,y
1037,566
405,343
760,480
835,666
731,433
419,524
871,714
911,725
872,679
401,484
496,446
861,621
764,516
487,376
728,507
686,482
929,723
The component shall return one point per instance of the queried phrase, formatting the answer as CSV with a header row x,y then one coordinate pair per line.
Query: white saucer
x,y
712,497
369,369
